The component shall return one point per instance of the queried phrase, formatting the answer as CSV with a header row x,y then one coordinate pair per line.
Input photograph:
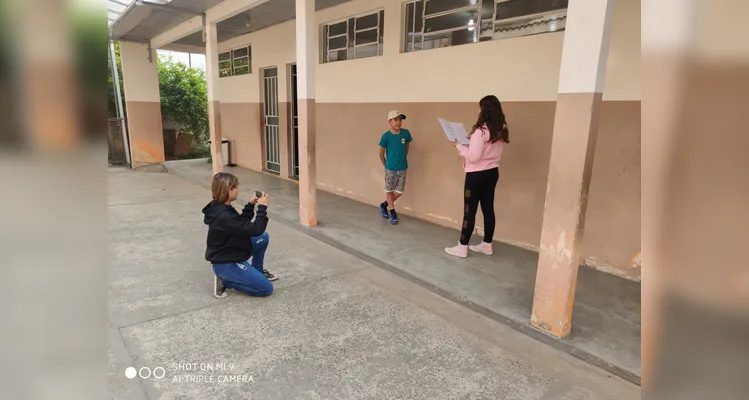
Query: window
x,y
355,37
240,61
431,24
235,62
224,64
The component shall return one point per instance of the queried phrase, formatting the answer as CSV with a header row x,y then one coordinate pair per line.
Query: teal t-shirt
x,y
395,149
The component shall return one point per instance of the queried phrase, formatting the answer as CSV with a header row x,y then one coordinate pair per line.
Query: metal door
x,y
294,124
270,111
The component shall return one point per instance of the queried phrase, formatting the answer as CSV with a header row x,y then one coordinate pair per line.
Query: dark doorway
x,y
294,124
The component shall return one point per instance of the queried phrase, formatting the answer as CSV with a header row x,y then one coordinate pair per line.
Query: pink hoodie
x,y
481,155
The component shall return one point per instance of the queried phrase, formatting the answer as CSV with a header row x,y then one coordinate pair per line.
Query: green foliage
x,y
112,103
199,153
89,37
184,97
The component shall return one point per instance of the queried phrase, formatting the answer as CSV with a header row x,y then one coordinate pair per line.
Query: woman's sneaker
x,y
384,210
483,248
270,276
219,290
459,251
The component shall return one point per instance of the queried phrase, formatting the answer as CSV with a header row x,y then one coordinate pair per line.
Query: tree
x,y
112,105
184,96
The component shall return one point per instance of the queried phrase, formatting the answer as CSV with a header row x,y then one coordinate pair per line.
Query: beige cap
x,y
395,113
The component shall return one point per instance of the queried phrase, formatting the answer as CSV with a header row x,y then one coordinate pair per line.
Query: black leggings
x,y
479,189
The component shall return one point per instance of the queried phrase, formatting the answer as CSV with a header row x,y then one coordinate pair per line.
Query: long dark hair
x,y
492,115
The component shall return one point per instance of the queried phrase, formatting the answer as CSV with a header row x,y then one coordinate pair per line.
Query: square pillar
x,y
665,58
214,107
306,56
581,79
284,121
140,75
49,85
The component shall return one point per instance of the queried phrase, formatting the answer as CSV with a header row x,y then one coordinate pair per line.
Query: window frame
x,y
248,57
222,70
408,38
351,36
231,69
505,24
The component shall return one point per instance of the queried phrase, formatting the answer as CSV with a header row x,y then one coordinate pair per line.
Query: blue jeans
x,y
245,277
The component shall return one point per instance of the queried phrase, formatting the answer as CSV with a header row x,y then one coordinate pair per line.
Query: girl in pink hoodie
x,y
481,164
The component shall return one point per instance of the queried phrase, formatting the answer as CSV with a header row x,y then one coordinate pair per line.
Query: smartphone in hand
x,y
258,194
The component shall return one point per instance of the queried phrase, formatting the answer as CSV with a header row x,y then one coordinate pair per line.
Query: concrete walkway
x,y
606,318
337,326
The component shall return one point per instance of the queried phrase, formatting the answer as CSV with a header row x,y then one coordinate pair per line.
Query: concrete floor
x,y
606,317
337,327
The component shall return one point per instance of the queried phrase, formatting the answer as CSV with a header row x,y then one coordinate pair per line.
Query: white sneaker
x,y
483,248
219,290
460,251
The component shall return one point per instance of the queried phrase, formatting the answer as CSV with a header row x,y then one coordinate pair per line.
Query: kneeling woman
x,y
234,239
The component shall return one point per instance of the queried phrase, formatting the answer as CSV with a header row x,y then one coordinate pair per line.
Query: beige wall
x,y
519,69
271,47
142,100
241,98
354,96
143,82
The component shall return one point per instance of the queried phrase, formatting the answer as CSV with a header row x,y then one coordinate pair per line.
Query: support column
x,y
284,125
306,57
664,81
214,107
581,79
140,74
50,100
118,102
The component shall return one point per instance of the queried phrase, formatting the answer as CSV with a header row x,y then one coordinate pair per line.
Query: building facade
x,y
353,96
301,88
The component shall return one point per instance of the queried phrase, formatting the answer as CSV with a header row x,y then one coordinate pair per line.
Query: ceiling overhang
x,y
143,20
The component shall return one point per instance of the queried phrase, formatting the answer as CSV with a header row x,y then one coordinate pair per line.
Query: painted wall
x,y
241,97
142,99
353,98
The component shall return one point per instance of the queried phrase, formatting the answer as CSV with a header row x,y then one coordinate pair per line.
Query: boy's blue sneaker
x,y
393,218
384,210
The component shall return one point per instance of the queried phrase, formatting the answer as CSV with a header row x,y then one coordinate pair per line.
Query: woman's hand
x,y
454,143
254,199
264,200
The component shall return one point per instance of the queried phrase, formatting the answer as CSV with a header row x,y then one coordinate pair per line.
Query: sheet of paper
x,y
459,132
448,129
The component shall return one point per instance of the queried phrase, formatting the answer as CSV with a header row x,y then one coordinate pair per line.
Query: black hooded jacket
x,y
229,232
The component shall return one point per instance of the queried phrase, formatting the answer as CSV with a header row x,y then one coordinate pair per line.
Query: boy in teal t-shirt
x,y
393,151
